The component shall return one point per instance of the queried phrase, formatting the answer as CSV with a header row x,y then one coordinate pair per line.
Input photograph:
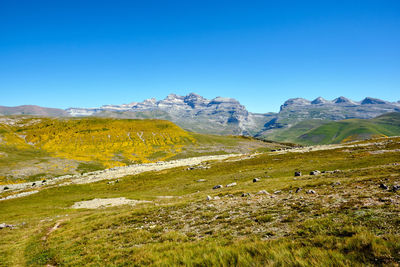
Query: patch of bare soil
x,y
106,202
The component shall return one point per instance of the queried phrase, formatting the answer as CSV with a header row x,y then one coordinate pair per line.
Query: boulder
x,y
231,184
383,186
256,180
217,186
315,172
297,173
298,189
262,192
4,225
311,191
395,188
245,194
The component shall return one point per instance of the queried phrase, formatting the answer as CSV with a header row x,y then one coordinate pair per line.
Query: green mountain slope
x,y
32,147
353,129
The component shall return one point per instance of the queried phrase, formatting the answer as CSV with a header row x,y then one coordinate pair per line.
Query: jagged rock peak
x,y
319,100
295,102
195,100
370,100
342,100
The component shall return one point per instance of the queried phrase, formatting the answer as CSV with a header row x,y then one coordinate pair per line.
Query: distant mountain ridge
x,y
193,112
223,115
33,110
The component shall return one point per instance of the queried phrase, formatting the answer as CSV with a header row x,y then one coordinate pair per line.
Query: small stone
x,y
383,186
209,198
4,225
201,180
33,184
315,172
6,188
216,197
256,180
262,192
298,189
310,191
395,188
43,181
245,194
297,173
231,184
277,192
217,186
336,184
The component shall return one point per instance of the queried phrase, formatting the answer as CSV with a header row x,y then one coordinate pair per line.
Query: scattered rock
x,y
256,180
201,180
395,188
4,225
298,189
245,194
316,172
217,186
311,191
262,192
231,184
383,186
297,173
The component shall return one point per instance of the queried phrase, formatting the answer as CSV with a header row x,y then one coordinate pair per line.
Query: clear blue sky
x,y
88,53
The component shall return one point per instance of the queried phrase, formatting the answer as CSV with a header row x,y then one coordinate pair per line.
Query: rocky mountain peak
x,y
372,101
342,100
295,102
195,100
319,100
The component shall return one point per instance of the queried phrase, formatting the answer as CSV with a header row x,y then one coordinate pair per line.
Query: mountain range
x,y
226,115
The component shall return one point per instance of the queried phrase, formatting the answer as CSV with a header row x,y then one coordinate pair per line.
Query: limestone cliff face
x,y
227,116
219,115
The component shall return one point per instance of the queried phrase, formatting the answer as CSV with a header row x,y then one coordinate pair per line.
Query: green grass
x,y
352,224
313,132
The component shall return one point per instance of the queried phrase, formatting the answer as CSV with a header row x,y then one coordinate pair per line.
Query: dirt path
x,y
107,174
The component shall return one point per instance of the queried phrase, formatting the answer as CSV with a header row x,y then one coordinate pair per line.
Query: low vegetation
x,y
341,217
31,145
313,132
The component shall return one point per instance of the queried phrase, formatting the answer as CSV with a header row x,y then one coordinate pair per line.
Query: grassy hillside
x,y
291,134
354,129
32,147
311,132
348,220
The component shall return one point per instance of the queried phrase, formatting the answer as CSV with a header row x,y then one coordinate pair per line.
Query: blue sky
x,y
89,53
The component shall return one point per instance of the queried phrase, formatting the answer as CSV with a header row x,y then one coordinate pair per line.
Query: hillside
x,y
347,215
33,110
32,147
349,130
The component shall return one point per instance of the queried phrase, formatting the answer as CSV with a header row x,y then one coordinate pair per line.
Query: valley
x,y
262,214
